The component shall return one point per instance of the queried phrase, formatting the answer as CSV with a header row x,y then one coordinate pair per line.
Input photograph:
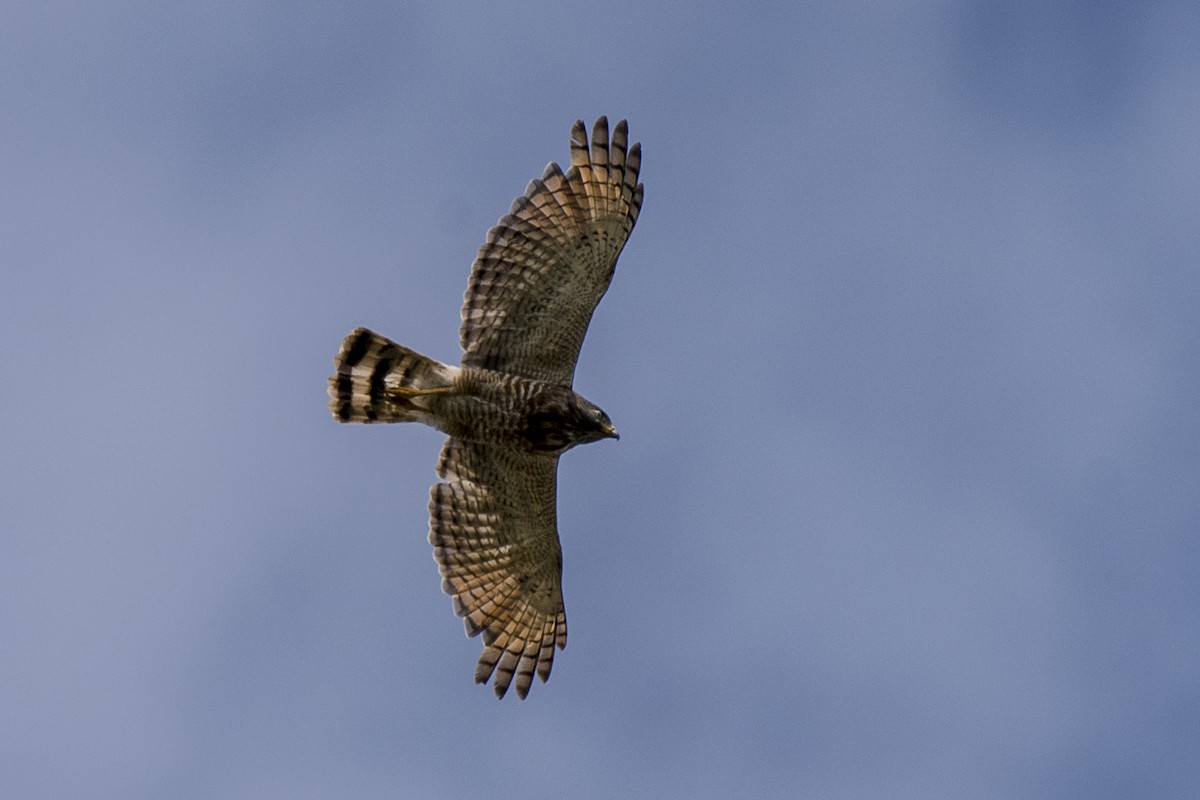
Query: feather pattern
x,y
493,530
547,263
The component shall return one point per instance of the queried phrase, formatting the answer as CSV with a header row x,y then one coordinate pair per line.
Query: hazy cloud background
x,y
903,353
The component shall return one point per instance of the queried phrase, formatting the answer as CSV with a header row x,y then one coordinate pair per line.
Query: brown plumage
x,y
509,409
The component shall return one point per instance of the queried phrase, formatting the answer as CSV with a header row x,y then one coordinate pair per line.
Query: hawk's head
x,y
558,419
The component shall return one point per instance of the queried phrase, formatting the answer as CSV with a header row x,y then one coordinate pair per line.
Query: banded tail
x,y
378,380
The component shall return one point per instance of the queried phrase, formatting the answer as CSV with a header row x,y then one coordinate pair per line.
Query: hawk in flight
x,y
509,408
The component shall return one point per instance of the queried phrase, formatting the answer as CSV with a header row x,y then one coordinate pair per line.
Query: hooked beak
x,y
611,432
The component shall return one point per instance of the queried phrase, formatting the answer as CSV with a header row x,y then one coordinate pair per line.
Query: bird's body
x,y
381,381
510,410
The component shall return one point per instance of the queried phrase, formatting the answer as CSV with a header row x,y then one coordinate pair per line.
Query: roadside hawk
x,y
509,408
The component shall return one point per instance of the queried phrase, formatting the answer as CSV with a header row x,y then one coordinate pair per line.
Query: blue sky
x,y
903,352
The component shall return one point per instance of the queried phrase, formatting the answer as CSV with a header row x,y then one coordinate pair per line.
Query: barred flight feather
x,y
549,261
495,545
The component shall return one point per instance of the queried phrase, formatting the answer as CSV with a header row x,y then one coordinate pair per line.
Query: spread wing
x,y
494,533
546,264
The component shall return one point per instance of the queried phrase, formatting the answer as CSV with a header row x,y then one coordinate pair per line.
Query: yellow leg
x,y
412,391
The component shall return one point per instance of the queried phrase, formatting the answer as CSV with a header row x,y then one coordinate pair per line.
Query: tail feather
x,y
371,368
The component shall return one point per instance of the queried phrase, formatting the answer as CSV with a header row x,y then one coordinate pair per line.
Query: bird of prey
x,y
509,409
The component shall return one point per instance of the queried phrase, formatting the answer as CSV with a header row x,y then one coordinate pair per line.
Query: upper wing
x,y
546,264
494,535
